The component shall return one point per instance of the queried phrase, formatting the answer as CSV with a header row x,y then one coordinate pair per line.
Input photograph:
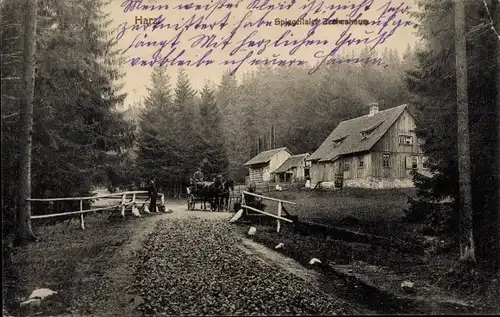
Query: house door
x,y
386,166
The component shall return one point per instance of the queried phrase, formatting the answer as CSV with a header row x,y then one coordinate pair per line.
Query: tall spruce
x,y
25,232
433,84
187,127
227,99
75,119
157,153
214,153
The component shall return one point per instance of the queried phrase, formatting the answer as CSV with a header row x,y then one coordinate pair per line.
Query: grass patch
x,y
376,212
67,260
334,206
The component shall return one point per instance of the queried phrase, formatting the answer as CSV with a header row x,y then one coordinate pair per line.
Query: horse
x,y
208,192
227,187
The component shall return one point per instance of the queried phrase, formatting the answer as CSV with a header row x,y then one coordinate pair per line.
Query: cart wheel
x,y
191,202
213,206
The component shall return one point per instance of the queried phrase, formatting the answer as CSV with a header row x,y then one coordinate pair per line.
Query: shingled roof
x,y
265,156
292,161
347,137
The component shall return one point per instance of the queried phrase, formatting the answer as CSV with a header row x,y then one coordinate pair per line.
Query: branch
x,y
15,54
10,97
11,78
12,61
10,115
492,26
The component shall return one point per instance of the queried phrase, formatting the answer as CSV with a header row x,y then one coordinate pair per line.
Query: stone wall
x,y
371,183
379,183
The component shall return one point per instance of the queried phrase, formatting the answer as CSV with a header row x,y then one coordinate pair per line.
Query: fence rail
x,y
281,208
123,204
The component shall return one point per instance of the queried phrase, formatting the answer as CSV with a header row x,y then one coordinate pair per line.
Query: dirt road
x,y
193,262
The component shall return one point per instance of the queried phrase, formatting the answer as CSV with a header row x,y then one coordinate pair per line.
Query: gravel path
x,y
194,266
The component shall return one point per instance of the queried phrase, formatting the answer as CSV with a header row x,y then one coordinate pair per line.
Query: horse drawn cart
x,y
194,196
216,196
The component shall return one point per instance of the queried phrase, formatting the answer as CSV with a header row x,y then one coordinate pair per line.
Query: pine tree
x,y
227,97
433,85
187,127
76,96
214,153
157,144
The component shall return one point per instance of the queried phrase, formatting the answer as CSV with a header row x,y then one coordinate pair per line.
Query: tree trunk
x,y
25,233
463,143
496,18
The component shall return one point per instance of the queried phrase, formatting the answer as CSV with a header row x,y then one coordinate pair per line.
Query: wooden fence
x,y
135,197
281,208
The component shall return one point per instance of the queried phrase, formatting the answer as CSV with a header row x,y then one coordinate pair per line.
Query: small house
x,y
295,168
263,164
377,150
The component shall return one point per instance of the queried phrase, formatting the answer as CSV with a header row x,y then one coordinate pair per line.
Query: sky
x,y
233,37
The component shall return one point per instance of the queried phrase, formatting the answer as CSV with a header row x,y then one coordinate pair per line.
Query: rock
x,y
408,286
252,231
33,302
314,261
279,246
237,216
135,211
41,293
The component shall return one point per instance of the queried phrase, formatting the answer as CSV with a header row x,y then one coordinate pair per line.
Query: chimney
x,y
373,108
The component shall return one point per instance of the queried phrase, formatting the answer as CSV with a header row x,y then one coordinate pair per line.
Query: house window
x,y
425,162
361,162
385,160
406,139
412,162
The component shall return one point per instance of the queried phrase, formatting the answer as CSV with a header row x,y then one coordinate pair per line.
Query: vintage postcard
x,y
250,157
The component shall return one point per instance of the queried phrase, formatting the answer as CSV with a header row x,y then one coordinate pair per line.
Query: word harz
x,y
145,20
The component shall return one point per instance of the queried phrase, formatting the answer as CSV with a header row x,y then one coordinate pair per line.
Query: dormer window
x,y
338,141
368,132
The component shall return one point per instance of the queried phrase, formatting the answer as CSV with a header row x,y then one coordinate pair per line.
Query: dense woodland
x,y
82,139
221,127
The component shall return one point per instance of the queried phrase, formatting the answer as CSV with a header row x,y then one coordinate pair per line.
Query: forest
x,y
82,138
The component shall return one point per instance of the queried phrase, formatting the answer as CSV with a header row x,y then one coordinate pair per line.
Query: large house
x,y
377,150
295,168
263,164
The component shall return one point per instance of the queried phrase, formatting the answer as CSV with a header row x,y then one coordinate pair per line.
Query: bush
x,y
440,217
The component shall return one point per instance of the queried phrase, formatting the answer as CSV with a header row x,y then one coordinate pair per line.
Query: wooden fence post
x,y
123,205
82,223
280,205
135,210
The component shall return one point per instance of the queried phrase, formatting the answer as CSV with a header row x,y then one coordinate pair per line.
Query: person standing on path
x,y
153,195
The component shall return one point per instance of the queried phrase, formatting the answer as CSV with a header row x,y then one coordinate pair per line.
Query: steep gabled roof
x,y
292,161
265,156
348,136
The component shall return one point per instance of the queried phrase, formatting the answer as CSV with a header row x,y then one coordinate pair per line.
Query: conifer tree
x,y
157,145
212,134
187,128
